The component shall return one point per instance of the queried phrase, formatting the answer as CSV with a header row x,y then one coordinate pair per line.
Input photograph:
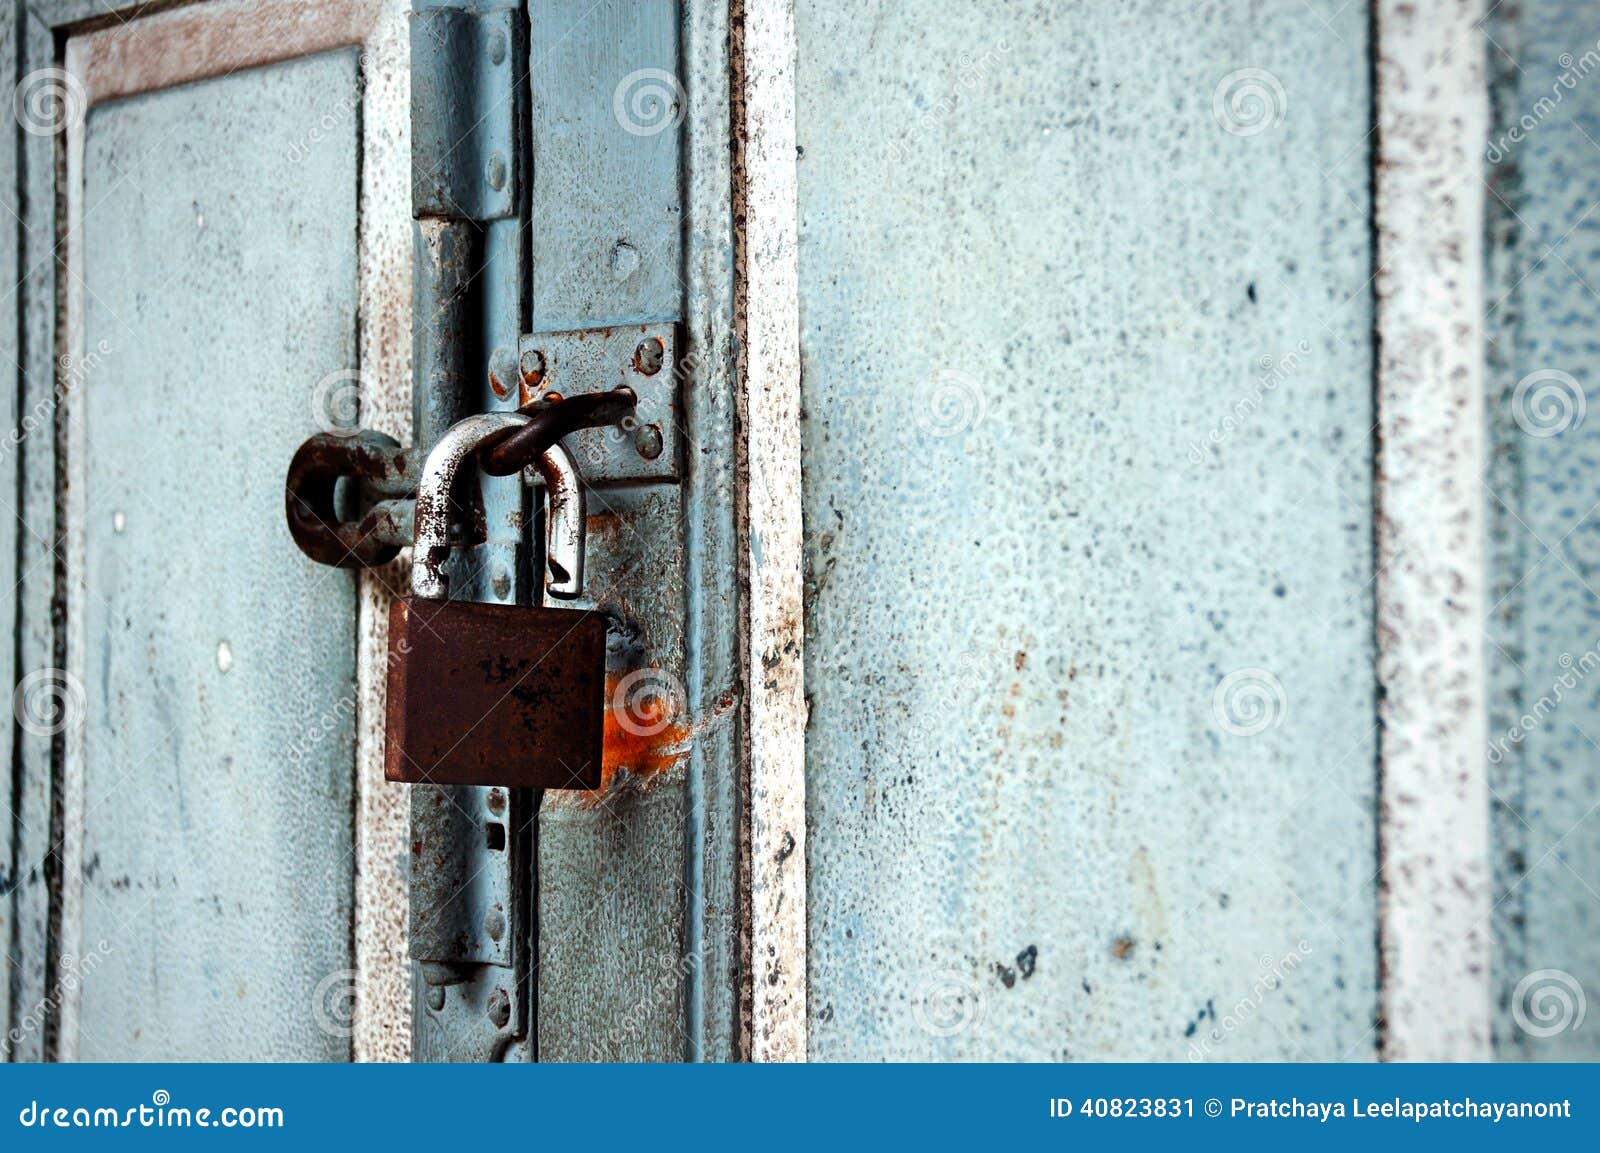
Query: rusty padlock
x,y
487,694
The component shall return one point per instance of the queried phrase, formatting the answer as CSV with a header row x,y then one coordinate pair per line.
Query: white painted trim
x,y
182,46
772,624
1434,901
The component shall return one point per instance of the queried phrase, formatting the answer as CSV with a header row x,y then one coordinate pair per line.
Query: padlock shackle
x,y
459,442
565,512
565,521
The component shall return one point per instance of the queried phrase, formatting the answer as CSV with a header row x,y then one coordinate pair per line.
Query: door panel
x,y
219,666
1544,528
1087,392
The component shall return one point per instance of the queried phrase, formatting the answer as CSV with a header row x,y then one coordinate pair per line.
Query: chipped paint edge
x,y
152,53
1432,110
767,320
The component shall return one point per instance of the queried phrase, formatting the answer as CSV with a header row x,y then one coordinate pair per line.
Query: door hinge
x,y
464,113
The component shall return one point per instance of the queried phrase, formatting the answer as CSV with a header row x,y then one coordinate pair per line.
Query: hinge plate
x,y
463,115
643,357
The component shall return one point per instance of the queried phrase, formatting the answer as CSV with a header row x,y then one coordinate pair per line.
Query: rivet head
x,y
648,441
502,365
436,997
499,1008
532,366
648,356
497,171
624,260
497,47
494,923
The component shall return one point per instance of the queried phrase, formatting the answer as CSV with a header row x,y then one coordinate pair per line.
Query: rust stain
x,y
645,737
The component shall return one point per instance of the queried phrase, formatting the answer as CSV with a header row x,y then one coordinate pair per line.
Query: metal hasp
x,y
642,357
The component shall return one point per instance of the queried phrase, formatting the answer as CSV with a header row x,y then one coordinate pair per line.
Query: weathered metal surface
x,y
1544,564
456,902
11,866
771,623
710,1022
470,307
637,904
608,102
1434,807
612,894
642,357
1091,689
382,1004
218,669
463,114
35,996
553,419
502,695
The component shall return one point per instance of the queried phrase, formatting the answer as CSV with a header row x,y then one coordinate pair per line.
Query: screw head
x,y
501,367
499,1008
497,47
648,441
436,997
494,923
497,171
648,356
531,364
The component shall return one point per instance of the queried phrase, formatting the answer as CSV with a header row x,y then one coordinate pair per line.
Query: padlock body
x,y
484,694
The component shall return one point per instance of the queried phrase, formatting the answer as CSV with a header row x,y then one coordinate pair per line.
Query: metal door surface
x,y
1110,574
204,233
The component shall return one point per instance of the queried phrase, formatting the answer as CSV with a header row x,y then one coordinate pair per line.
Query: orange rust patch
x,y
651,742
